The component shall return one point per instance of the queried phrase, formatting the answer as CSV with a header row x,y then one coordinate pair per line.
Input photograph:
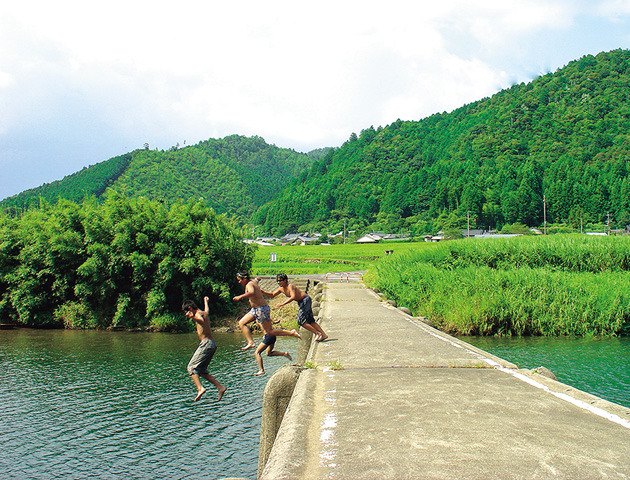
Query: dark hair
x,y
189,305
243,274
282,277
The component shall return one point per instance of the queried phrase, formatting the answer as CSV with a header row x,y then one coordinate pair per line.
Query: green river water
x,y
111,405
600,366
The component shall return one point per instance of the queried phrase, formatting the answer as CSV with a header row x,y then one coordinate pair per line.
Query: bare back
x,y
255,295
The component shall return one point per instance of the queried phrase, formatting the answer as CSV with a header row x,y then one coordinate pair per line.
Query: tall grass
x,y
556,285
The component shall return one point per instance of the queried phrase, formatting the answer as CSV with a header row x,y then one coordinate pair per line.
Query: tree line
x,y
558,145
121,263
233,175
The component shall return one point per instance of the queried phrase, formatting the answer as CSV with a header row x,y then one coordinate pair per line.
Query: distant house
x,y
369,238
473,232
299,238
262,242
433,238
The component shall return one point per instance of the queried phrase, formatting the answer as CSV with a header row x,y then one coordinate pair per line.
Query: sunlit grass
x,y
322,259
556,285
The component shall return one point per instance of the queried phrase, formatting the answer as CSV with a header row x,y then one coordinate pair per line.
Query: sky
x,y
84,81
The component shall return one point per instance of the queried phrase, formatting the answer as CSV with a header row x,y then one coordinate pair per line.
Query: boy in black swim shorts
x,y
305,316
268,342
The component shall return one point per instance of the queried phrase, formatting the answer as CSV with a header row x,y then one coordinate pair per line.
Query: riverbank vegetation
x,y
548,285
125,263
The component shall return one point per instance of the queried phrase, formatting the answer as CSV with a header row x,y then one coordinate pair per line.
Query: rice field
x,y
322,259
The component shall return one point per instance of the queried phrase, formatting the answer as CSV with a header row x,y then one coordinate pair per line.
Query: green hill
x,y
233,175
558,146
564,137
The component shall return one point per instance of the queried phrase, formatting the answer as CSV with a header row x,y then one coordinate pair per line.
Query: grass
x,y
556,285
322,259
547,285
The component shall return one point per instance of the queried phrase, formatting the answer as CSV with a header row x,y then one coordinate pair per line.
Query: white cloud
x,y
302,75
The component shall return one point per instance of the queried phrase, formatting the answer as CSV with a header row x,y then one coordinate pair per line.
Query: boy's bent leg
x,y
279,332
214,382
247,318
280,354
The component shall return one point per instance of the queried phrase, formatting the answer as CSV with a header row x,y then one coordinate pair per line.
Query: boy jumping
x,y
198,365
305,316
268,342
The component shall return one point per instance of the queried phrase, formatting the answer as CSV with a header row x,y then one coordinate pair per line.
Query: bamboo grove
x,y
125,263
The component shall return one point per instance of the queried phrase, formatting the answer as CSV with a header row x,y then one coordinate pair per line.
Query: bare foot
x,y
288,355
296,334
200,394
322,338
260,372
248,346
221,392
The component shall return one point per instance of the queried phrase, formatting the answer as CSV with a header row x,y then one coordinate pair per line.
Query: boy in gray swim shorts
x,y
198,365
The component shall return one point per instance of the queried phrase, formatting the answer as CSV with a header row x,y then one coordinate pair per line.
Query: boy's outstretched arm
x,y
272,295
290,298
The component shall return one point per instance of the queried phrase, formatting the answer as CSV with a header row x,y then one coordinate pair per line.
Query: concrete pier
x,y
392,398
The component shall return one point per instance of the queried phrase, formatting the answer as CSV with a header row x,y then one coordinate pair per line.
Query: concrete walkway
x,y
392,398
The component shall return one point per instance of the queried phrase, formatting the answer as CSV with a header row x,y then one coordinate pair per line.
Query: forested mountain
x,y
564,137
559,145
233,175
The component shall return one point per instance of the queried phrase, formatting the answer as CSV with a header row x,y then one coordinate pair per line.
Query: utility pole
x,y
468,236
545,214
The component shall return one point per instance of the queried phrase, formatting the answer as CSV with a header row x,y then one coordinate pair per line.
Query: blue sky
x,y
81,82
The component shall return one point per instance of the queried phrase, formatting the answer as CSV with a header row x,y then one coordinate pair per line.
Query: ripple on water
x,y
119,405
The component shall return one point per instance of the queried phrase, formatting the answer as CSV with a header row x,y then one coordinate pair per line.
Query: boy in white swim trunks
x,y
260,311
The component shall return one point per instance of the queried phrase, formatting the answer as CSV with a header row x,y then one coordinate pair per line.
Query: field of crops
x,y
322,259
544,285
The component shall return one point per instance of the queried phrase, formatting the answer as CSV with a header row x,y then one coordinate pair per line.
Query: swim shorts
x,y
269,340
261,313
201,358
305,312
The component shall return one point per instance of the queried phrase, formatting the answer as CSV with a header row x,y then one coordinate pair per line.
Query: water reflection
x,y
88,404
600,366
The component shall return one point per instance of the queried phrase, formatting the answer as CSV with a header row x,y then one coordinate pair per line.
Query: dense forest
x,y
559,145
233,175
555,149
124,262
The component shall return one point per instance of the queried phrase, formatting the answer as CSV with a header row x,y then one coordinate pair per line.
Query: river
x,y
109,405
600,366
